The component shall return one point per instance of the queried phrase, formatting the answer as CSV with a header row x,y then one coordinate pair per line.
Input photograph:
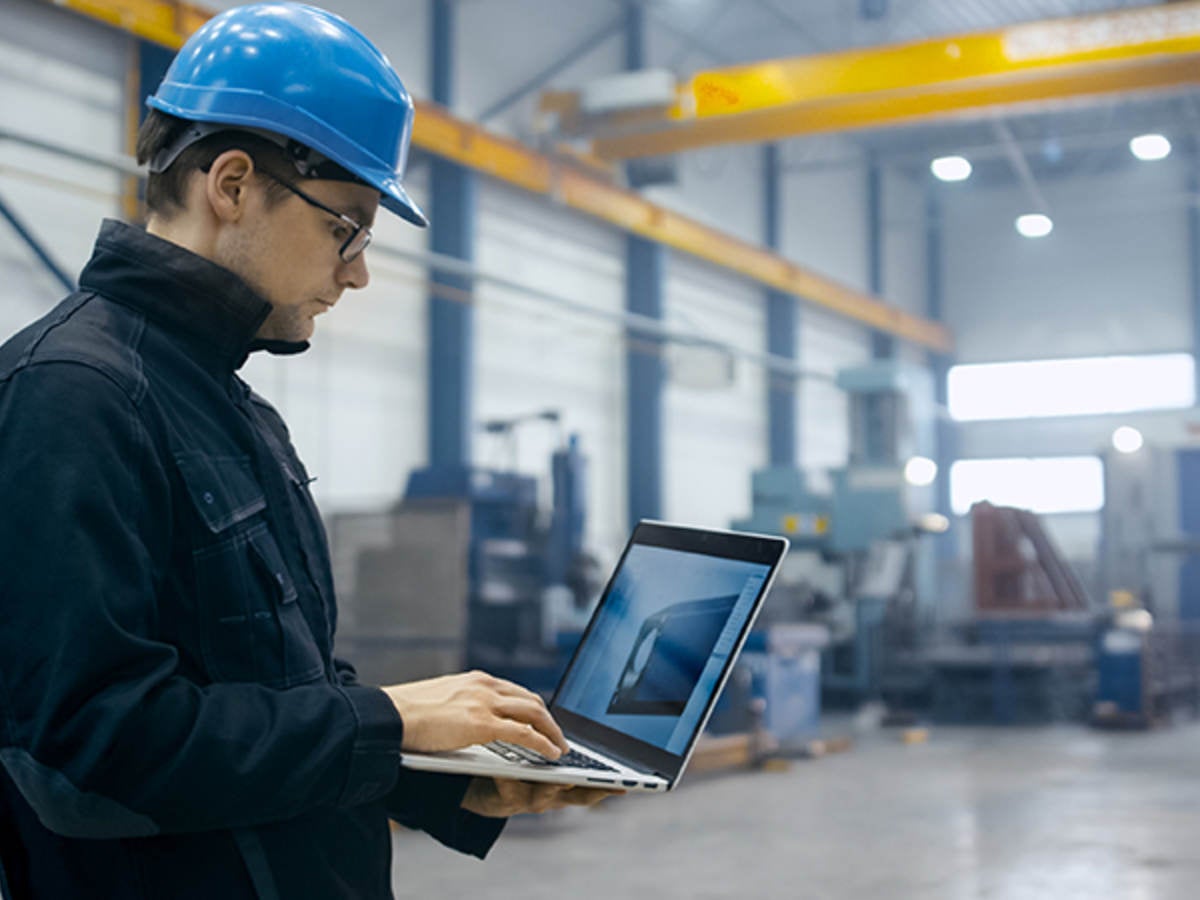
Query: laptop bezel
x,y
731,545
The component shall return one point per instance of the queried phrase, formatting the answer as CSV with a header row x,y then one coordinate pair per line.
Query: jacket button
x,y
208,498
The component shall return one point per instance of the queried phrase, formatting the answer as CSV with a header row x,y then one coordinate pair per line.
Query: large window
x,y
1071,387
1061,484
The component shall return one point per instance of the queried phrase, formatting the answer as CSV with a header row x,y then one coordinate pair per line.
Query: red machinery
x,y
1018,568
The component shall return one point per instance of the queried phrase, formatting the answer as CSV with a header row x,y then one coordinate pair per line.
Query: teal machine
x,y
856,564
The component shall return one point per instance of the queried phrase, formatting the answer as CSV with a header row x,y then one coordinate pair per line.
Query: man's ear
x,y
226,184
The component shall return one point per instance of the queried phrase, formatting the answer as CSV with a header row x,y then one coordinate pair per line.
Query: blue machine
x,y
522,568
863,525
1148,662
776,685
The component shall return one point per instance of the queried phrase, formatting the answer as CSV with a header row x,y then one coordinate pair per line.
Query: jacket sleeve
x,y
98,729
432,802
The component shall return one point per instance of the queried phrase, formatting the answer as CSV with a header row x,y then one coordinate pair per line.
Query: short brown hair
x,y
165,190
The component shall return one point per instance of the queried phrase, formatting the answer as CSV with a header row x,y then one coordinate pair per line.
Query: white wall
x,y
492,62
721,187
714,437
532,354
1111,278
904,244
70,98
825,212
827,344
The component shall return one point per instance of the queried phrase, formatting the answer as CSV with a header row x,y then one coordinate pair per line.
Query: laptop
x,y
650,665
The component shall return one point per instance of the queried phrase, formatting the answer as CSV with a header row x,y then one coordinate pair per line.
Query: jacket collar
x,y
182,292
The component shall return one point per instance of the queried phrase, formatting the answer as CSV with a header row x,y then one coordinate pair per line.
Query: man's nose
x,y
354,274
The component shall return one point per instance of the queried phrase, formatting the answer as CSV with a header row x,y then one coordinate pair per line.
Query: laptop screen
x,y
663,637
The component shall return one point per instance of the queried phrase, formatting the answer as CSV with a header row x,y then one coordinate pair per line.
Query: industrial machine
x,y
1148,662
857,567
1026,654
530,581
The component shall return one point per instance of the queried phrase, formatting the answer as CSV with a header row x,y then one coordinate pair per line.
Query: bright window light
x,y
951,168
1034,225
1062,484
1127,439
1071,387
1149,147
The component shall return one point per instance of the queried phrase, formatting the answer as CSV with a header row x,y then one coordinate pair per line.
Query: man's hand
x,y
499,798
457,711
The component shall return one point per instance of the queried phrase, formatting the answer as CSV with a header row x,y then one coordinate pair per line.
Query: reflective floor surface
x,y
1005,814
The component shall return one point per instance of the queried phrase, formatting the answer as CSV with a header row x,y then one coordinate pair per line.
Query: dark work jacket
x,y
173,723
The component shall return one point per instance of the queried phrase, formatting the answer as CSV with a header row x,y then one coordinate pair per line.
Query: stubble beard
x,y
287,323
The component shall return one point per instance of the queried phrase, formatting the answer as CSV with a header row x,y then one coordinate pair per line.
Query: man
x,y
172,721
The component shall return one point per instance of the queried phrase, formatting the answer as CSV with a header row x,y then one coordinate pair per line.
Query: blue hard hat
x,y
303,73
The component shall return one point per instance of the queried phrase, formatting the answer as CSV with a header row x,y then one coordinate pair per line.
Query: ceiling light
x,y
1149,147
1127,440
1034,225
920,471
951,168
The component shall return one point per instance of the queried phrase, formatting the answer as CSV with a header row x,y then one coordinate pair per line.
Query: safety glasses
x,y
360,235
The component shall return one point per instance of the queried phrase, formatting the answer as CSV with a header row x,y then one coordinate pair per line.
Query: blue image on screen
x,y
660,642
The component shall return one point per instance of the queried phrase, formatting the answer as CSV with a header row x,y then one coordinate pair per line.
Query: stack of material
x,y
402,590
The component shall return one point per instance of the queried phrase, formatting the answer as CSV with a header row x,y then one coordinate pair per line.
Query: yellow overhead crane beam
x,y
569,182
1029,66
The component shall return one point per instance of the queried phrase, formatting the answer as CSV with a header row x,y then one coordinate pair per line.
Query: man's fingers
x,y
544,796
535,714
526,706
527,736
579,796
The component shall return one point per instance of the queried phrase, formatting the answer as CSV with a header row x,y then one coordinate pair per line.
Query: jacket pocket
x,y
252,627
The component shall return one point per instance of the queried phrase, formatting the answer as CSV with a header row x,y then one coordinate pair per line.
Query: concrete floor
x,y
1004,814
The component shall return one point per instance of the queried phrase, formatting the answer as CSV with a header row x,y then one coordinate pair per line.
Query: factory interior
x,y
912,283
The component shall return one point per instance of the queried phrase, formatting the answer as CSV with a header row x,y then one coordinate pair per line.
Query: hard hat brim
x,y
395,199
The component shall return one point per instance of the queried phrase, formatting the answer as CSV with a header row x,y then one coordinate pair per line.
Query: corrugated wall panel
x,y
715,436
904,283
532,355
61,81
827,344
1111,278
825,213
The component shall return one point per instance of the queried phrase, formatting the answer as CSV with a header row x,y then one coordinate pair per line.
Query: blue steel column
x,y
645,371
946,434
153,62
645,374
451,316
782,327
883,345
1193,214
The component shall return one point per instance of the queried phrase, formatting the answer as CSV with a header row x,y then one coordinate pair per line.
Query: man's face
x,y
289,253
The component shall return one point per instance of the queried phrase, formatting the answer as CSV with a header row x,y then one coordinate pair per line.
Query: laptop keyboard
x,y
572,758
